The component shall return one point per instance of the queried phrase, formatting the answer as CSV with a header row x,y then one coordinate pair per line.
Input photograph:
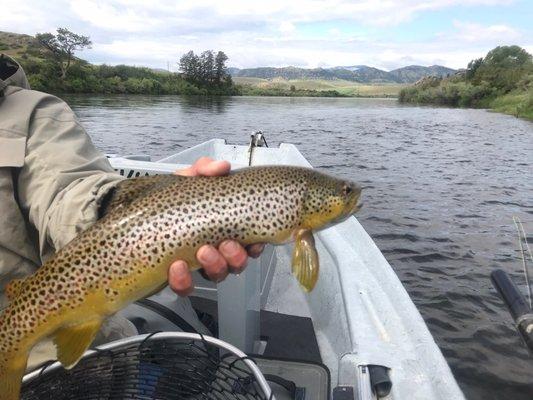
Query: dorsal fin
x,y
13,288
130,189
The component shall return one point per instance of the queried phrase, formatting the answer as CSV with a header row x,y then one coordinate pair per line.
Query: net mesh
x,y
169,368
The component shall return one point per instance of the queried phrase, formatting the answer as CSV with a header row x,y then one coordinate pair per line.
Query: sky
x,y
385,34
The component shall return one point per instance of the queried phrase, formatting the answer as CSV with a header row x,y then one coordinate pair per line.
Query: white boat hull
x,y
361,313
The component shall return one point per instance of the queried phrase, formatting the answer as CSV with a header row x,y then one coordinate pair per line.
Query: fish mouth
x,y
357,207
355,204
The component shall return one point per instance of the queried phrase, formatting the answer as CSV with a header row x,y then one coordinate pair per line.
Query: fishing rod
x,y
516,304
520,309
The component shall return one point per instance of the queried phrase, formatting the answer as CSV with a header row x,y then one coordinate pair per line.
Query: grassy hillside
x,y
20,47
343,87
14,44
502,81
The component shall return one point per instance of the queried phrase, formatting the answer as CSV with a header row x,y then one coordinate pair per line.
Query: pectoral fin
x,y
305,259
72,341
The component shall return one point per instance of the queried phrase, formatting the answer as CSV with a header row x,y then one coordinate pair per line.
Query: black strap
x,y
290,386
7,68
167,313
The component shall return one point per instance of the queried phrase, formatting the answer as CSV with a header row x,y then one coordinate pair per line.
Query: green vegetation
x,y
515,103
314,87
502,81
51,66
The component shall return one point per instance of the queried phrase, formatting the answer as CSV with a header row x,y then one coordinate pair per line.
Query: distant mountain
x,y
233,71
355,73
367,74
413,73
286,73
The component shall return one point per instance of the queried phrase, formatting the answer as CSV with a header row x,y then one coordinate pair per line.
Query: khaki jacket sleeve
x,y
63,178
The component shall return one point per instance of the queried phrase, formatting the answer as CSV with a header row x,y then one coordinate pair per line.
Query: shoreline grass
x,y
516,104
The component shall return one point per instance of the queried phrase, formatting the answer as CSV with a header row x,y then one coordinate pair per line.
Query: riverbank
x,y
501,81
518,103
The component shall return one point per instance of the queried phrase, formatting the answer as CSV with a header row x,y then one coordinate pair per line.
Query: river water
x,y
440,189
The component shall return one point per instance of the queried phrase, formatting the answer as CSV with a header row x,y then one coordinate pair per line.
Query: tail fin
x,y
12,369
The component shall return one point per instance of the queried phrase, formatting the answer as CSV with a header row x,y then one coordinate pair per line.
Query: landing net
x,y
169,365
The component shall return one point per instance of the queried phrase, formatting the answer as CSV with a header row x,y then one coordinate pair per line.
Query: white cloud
x,y
266,33
137,15
107,16
24,17
247,52
287,27
472,32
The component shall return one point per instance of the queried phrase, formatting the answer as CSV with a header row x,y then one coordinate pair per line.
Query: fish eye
x,y
346,189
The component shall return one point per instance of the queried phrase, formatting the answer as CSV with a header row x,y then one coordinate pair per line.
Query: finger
x,y
235,255
193,169
255,250
189,171
213,168
214,264
179,278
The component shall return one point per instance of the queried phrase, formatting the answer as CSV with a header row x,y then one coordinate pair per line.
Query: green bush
x,y
113,84
75,85
515,103
503,80
37,82
525,109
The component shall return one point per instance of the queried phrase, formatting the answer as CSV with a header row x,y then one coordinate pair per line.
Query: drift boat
x,y
356,336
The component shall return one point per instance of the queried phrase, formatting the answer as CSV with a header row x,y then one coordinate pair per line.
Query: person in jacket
x,y
53,185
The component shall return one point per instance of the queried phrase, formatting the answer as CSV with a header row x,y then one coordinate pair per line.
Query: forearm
x,y
64,177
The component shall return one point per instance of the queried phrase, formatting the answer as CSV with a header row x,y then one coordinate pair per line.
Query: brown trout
x,y
152,221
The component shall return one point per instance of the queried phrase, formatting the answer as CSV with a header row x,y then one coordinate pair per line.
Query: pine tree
x,y
207,61
220,67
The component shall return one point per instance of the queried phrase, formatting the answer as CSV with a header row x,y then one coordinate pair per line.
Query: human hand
x,y
230,256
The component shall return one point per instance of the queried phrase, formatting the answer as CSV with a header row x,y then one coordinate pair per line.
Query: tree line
x,y
206,68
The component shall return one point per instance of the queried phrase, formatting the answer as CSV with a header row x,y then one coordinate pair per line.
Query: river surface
x,y
440,189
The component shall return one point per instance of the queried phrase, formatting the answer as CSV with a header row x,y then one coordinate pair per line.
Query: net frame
x,y
232,355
